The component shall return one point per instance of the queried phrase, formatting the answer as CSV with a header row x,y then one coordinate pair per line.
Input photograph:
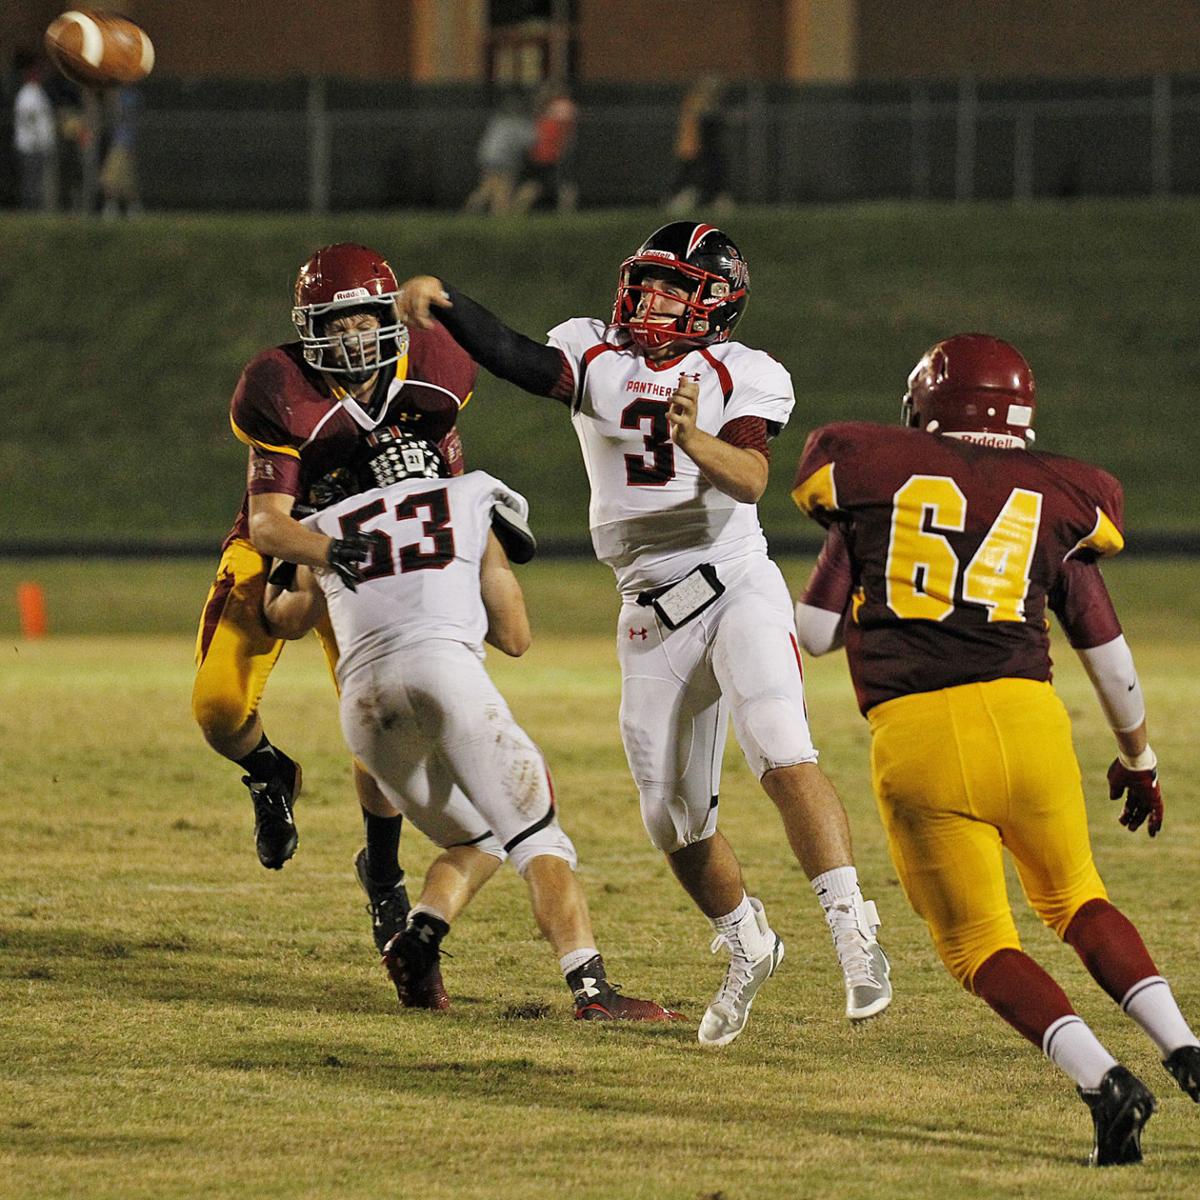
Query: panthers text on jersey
x,y
653,515
299,429
948,555
422,582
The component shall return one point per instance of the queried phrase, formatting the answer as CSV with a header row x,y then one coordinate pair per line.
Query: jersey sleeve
x,y
831,583
1107,536
500,493
762,387
815,488
258,417
575,339
1083,606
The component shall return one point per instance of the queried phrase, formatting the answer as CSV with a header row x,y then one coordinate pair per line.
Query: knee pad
x,y
220,714
774,733
671,824
551,840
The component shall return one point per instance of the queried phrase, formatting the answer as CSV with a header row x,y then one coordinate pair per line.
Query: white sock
x,y
731,920
839,884
1072,1047
1151,1004
740,929
574,959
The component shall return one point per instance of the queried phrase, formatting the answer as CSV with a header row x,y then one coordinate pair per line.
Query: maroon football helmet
x,y
973,387
697,258
339,279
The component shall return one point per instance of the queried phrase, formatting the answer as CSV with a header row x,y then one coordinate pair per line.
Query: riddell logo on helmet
x,y
658,254
358,293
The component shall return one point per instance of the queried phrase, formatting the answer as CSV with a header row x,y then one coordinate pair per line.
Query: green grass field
x,y
176,1022
135,333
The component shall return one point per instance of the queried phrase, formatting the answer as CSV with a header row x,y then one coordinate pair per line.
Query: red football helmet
x,y
338,279
973,387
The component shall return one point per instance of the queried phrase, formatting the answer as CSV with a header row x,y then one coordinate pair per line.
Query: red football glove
x,y
1143,796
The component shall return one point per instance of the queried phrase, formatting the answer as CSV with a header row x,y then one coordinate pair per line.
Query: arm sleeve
x,y
1113,675
542,370
747,433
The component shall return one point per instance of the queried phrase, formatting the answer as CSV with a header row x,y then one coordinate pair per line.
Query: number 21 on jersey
x,y
922,571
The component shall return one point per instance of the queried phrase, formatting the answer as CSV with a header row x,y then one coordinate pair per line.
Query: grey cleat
x,y
864,964
730,1009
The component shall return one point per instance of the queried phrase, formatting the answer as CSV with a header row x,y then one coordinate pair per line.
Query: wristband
x,y
1146,761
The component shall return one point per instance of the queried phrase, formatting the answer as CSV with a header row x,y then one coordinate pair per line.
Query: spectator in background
x,y
34,136
501,152
543,184
118,170
78,112
699,153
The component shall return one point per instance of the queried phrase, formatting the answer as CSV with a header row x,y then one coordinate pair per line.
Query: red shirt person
x,y
304,410
948,541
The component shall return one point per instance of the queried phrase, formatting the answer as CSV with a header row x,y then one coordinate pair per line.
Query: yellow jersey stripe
x,y
243,436
1105,538
818,491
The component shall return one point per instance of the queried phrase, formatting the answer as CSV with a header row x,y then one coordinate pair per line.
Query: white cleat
x,y
728,1013
864,964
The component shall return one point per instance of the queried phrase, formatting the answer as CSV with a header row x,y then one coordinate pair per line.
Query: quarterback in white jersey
x,y
674,421
420,712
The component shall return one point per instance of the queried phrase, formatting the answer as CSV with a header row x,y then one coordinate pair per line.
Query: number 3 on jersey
x,y
922,568
657,439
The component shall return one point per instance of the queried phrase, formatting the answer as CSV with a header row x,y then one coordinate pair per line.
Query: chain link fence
x,y
333,145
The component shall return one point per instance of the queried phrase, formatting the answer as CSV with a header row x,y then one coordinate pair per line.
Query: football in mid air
x,y
99,49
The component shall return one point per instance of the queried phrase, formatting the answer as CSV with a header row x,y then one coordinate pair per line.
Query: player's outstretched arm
x,y
291,613
737,472
542,370
508,620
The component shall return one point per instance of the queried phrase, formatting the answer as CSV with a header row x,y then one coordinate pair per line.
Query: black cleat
x,y
275,836
387,903
1184,1065
1121,1106
412,962
598,1000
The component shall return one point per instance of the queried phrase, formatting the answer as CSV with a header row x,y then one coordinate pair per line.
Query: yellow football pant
x,y
959,774
234,650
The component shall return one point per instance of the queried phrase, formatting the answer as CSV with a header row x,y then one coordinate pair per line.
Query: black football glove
x,y
349,555
1143,796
